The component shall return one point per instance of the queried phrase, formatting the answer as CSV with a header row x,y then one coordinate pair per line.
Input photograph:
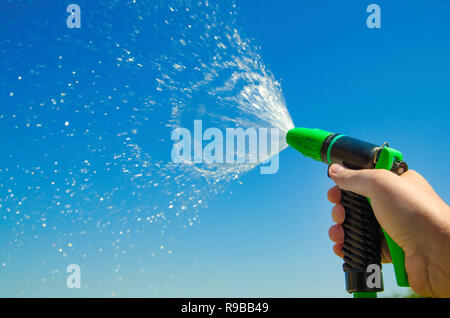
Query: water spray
x,y
362,232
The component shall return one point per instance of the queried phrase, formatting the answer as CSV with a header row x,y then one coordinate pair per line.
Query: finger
x,y
337,249
338,214
365,182
336,233
334,195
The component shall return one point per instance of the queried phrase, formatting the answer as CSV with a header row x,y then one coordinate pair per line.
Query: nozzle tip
x,y
307,141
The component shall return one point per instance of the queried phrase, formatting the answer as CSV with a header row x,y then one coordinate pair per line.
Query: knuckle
x,y
377,178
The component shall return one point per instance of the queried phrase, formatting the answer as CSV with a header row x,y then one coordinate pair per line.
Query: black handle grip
x,y
362,242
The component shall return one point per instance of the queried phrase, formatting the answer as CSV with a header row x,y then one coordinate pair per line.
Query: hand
x,y
409,210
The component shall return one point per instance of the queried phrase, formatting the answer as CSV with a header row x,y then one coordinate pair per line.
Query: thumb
x,y
363,182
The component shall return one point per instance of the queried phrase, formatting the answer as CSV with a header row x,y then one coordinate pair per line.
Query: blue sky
x,y
264,237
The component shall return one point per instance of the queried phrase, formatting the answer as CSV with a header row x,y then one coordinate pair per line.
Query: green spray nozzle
x,y
307,141
362,245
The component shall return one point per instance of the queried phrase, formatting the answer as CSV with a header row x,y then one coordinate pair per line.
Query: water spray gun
x,y
362,233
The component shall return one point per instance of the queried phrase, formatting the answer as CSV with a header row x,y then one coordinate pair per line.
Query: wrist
x,y
430,264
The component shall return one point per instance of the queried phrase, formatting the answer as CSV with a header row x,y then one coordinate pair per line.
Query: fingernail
x,y
335,169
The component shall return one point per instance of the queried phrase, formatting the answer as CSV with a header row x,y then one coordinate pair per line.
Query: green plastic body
x,y
309,143
387,157
364,295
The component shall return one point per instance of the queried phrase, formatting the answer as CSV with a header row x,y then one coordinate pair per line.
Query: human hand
x,y
411,212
